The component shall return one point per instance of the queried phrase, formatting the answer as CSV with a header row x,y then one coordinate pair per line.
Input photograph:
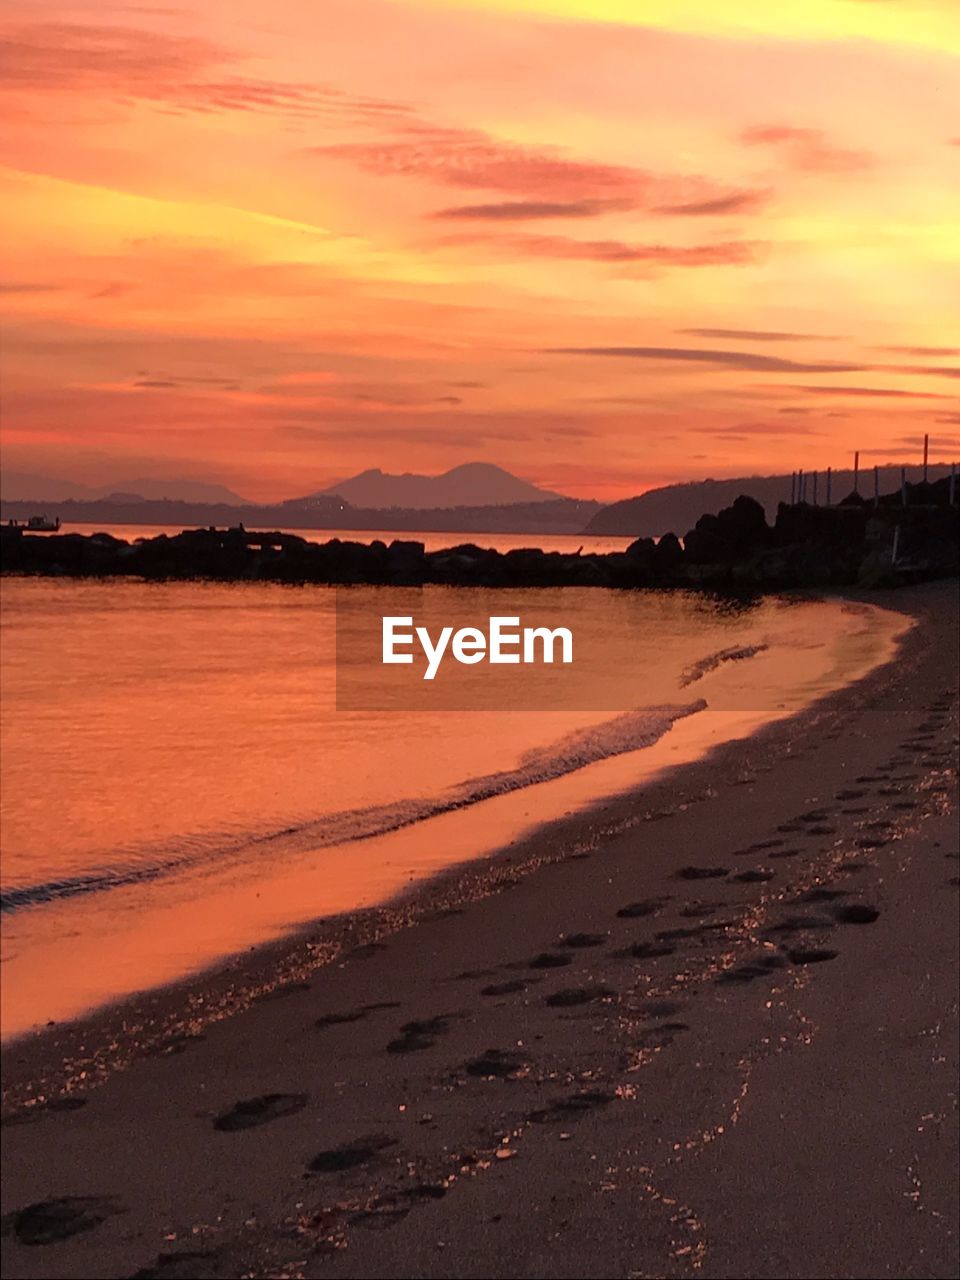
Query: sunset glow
x,y
606,244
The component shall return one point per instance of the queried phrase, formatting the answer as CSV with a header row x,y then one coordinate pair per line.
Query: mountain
x,y
677,507
563,515
24,486
474,484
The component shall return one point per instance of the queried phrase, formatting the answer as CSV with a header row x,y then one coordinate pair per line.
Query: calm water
x,y
432,541
177,783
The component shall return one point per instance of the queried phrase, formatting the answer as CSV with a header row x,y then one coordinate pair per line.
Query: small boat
x,y
36,524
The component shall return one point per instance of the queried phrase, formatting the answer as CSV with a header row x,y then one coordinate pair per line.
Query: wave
x,y
699,669
631,731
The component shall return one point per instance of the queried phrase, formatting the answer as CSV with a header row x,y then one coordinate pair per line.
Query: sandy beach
x,y
708,1028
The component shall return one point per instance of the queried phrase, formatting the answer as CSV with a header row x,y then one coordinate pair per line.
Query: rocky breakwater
x,y
852,543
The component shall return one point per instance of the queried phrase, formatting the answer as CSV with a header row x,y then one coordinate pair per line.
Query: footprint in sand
x,y
856,913
754,877
661,1035
822,894
27,1115
354,1015
645,907
416,1036
763,967
800,924
573,1107
350,1155
175,1044
499,1064
580,940
811,955
702,873
251,1112
549,960
281,992
570,997
503,988
389,1210
643,951
50,1221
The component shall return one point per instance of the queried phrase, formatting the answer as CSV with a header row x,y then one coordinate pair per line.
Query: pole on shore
x,y
829,484
856,472
815,477
896,544
793,488
926,456
800,486
903,485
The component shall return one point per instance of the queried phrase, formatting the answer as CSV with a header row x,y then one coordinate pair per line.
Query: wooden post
x,y
800,485
815,477
856,472
829,484
926,456
793,488
896,544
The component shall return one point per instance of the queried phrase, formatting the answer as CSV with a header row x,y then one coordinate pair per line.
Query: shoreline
x,y
685,1089
231,983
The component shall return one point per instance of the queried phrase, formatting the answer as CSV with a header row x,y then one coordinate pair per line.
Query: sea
x,y
178,785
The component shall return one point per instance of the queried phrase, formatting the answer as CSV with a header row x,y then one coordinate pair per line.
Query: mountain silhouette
x,y
675,508
24,486
473,484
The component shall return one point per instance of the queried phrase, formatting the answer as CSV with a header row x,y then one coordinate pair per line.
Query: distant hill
x,y
676,508
25,486
563,515
474,484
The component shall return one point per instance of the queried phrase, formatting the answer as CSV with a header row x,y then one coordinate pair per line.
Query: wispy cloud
x,y
734,202
879,393
742,360
721,253
761,335
809,149
173,72
524,210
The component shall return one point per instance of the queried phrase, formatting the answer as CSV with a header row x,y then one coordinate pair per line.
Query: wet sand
x,y
710,1028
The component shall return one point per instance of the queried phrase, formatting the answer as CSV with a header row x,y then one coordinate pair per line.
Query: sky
x,y
607,244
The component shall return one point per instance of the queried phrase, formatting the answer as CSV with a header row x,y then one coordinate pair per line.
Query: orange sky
x,y
604,243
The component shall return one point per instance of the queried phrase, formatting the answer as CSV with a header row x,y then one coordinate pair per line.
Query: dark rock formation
x,y
855,542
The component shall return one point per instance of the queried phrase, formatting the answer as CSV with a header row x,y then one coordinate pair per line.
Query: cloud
x,y
935,370
474,159
722,253
809,149
893,393
742,360
544,180
735,202
922,351
28,286
522,210
745,429
178,73
761,335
